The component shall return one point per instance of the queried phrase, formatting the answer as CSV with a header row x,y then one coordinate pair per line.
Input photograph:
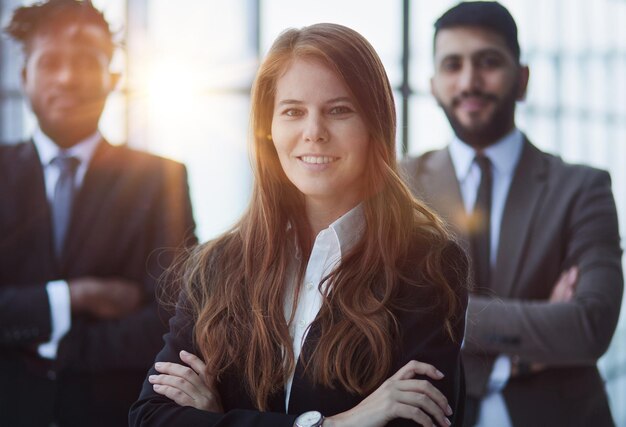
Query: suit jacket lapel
x,y
301,383
276,401
25,177
307,395
442,191
91,198
527,189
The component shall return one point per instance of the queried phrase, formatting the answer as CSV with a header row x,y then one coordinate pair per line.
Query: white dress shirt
x,y
504,156
58,291
328,248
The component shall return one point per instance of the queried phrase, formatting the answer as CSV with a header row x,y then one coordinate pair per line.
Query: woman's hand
x,y
186,386
401,396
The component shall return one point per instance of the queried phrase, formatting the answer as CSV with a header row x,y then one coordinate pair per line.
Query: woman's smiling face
x,y
320,137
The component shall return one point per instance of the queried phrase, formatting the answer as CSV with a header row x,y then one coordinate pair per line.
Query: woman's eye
x,y
292,112
340,109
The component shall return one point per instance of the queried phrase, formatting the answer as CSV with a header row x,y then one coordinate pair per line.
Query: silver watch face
x,y
309,419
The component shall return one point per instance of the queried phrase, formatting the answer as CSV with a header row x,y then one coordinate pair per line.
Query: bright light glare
x,y
183,115
170,83
172,90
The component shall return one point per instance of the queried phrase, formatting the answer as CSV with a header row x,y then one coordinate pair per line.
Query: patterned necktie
x,y
63,199
480,238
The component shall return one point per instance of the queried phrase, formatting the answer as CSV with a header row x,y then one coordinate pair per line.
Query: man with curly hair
x,y
86,231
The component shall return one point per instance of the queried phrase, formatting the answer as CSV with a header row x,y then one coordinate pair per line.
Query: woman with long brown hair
x,y
337,293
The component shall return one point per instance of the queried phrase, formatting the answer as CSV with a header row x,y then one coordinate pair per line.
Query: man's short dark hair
x,y
27,21
489,15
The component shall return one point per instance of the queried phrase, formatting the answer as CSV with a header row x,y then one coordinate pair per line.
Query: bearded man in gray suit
x,y
542,234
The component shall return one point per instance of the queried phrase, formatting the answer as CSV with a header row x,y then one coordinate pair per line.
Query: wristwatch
x,y
309,419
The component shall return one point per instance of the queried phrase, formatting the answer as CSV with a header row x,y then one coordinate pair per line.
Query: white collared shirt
x,y
58,291
328,248
504,156
48,150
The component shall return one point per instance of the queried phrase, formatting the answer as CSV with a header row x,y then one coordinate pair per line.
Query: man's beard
x,y
498,125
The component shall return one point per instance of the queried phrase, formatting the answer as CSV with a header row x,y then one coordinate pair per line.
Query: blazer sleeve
x,y
24,306
131,342
425,338
24,315
568,333
153,409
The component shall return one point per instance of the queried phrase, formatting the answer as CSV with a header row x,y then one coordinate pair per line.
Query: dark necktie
x,y
480,237
63,199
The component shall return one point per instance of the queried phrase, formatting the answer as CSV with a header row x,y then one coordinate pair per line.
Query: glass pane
x,y
597,87
537,24
11,63
210,137
379,22
618,86
571,79
542,86
399,124
541,130
113,122
574,131
11,121
191,68
574,28
618,13
596,14
429,128
424,13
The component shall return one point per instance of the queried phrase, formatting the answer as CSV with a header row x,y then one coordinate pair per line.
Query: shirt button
x,y
301,323
309,286
51,375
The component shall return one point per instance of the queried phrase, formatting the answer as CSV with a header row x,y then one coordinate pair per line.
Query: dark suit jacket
x,y
422,338
131,212
556,215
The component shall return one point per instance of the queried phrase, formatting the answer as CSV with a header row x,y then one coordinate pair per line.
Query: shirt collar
x,y
349,227
503,155
48,150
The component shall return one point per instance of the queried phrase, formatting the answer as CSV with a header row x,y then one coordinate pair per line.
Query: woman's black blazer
x,y
422,337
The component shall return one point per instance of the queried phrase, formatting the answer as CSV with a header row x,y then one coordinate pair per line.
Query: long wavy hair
x,y
236,285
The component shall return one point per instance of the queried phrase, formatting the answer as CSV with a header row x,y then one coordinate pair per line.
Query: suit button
x,y
51,375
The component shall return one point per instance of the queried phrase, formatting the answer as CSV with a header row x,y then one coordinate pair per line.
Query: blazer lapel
x,y
307,395
276,401
300,386
91,198
27,178
441,187
527,189
23,181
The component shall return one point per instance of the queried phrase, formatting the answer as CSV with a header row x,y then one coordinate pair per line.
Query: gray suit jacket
x,y
556,215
